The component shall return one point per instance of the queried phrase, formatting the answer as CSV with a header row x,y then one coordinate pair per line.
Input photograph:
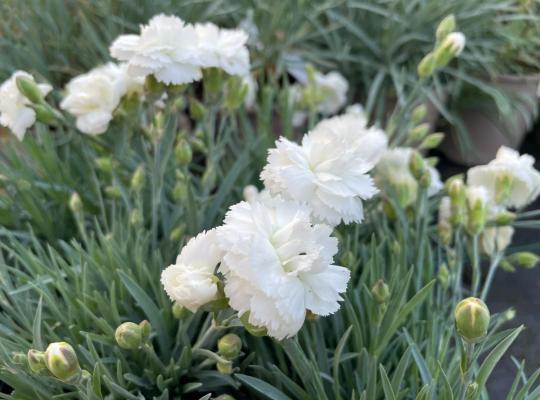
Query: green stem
x,y
476,272
151,353
467,377
489,279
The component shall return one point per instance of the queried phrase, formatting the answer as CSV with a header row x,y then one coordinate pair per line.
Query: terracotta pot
x,y
486,128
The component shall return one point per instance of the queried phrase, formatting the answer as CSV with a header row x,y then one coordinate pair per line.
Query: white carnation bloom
x,y
191,281
15,112
496,238
250,193
334,87
223,48
393,171
92,97
277,265
477,195
329,170
508,166
166,48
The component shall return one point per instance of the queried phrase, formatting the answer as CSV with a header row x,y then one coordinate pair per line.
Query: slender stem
x,y
467,378
476,273
492,268
210,355
149,350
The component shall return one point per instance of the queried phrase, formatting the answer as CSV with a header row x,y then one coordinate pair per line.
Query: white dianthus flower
x,y
277,265
223,48
92,97
496,238
15,112
329,171
334,87
191,281
510,179
166,48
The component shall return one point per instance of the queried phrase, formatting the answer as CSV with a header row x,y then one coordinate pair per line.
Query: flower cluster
x,y
481,206
275,250
176,52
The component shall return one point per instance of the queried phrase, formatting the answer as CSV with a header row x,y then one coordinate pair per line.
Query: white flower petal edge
x,y
191,281
334,87
92,97
525,179
15,112
277,264
328,172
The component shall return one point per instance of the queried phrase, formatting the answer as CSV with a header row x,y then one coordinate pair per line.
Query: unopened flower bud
x,y
417,165
179,311
432,141
425,180
445,232
446,26
509,314
451,47
180,191
507,266
137,179
36,360
418,114
113,192
472,319
477,199
426,67
236,91
250,193
213,80
75,203
29,89
458,201
504,218
136,217
129,336
252,329
524,259
183,152
443,276
225,368
197,110
177,233
45,113
104,164
419,132
229,346
62,362
380,292
472,391
348,259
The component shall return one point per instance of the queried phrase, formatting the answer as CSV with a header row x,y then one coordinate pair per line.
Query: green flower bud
x,y
472,391
229,346
418,115
451,47
137,179
104,164
183,152
446,26
180,191
61,361
458,201
136,217
504,218
432,141
45,113
129,336
477,209
113,192
177,233
224,368
213,80
36,360
75,203
445,232
426,67
507,266
180,312
509,314
197,110
419,132
252,329
380,292
524,259
235,93
425,180
472,319
348,259
416,165
29,89
443,276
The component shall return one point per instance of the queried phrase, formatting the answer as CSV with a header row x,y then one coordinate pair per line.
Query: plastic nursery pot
x,y
487,128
